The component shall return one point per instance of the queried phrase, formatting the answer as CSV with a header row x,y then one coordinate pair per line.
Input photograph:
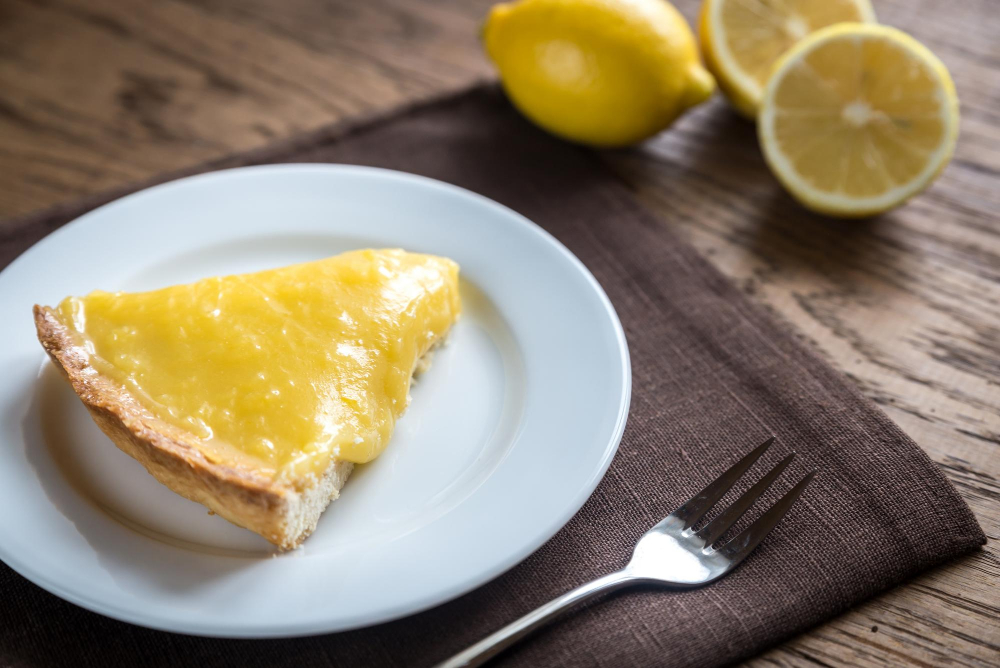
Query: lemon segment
x,y
858,118
742,39
597,72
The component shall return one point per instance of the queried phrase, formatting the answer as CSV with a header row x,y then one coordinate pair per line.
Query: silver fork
x,y
671,553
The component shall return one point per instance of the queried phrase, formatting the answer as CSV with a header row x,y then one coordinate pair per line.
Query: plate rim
x,y
457,589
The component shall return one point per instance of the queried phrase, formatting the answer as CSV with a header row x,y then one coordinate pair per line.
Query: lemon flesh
x,y
857,118
742,39
598,72
289,367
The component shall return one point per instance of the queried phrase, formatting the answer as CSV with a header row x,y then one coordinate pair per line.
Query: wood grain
x,y
97,93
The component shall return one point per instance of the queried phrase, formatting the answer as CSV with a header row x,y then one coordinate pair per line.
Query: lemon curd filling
x,y
290,366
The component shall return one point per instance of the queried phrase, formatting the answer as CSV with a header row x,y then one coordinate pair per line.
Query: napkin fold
x,y
713,375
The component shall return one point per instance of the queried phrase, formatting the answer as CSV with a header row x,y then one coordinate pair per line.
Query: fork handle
x,y
490,646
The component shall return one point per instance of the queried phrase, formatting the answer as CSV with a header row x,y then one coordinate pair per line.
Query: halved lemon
x,y
742,39
857,118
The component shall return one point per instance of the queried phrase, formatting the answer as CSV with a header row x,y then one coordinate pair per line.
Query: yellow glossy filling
x,y
291,366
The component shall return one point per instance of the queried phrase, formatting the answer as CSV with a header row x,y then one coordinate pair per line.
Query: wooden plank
x,y
96,93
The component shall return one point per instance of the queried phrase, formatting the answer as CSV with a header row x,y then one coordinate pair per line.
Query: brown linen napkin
x,y
713,375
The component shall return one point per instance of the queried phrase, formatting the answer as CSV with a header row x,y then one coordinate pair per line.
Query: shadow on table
x,y
717,158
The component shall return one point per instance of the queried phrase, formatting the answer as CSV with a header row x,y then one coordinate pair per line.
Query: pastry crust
x,y
246,497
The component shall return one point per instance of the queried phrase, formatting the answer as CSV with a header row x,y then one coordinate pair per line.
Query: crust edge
x,y
278,512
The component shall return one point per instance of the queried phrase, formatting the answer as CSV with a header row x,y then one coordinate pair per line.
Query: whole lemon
x,y
598,72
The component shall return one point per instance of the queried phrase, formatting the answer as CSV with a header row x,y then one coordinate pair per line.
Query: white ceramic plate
x,y
506,437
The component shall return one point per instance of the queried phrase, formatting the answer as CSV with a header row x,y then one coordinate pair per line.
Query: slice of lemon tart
x,y
256,394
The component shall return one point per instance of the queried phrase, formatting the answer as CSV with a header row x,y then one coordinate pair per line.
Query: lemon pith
x,y
858,118
598,72
742,39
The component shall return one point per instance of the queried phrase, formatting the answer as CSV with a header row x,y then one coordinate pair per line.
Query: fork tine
x,y
713,531
738,548
702,502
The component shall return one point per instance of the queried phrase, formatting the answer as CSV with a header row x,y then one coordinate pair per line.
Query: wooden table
x,y
96,93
